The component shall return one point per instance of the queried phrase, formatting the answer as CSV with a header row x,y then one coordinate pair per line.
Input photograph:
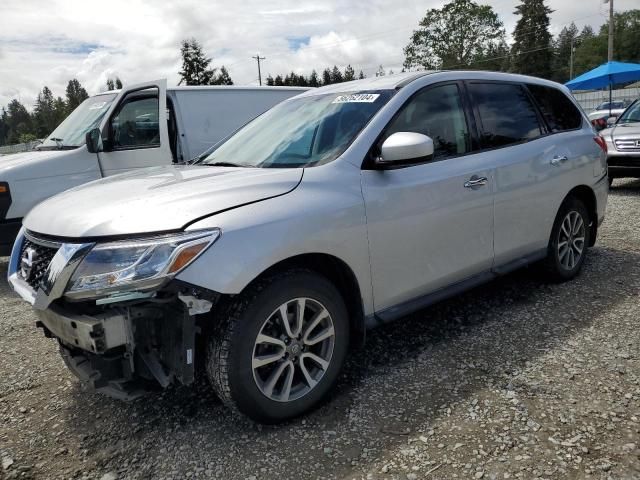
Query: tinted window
x,y
506,114
558,111
136,123
438,113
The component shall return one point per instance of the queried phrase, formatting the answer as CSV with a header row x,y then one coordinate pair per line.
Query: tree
x,y
59,110
4,127
314,81
270,81
380,72
531,50
567,39
118,83
195,65
336,75
278,82
44,118
76,94
495,58
326,77
361,75
223,78
349,73
110,85
18,121
454,36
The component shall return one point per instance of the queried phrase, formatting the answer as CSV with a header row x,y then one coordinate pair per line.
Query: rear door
x,y
135,132
431,224
529,166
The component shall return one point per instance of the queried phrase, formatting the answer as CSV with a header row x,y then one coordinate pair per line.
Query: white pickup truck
x,y
140,126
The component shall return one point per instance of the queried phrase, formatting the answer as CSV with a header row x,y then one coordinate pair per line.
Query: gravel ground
x,y
517,379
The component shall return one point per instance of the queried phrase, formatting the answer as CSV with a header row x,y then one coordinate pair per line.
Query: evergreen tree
x,y
59,110
44,121
567,39
18,122
531,50
349,74
76,94
4,127
314,81
495,58
223,78
326,77
278,82
118,83
380,72
361,75
270,81
336,75
110,85
195,65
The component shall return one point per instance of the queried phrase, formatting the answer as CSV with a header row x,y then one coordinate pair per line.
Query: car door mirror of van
x,y
404,148
94,140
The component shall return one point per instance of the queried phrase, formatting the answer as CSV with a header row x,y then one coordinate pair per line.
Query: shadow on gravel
x,y
625,186
397,383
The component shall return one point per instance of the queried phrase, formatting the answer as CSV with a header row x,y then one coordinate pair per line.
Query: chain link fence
x,y
590,100
20,147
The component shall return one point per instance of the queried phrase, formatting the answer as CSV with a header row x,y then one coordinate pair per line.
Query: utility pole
x,y
610,49
258,58
573,49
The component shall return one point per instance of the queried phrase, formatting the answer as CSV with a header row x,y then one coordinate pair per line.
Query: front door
x,y
135,133
430,225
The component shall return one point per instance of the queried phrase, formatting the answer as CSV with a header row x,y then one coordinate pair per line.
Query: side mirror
x,y
611,120
405,147
93,139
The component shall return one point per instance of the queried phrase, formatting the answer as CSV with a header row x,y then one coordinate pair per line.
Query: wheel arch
x,y
337,272
586,194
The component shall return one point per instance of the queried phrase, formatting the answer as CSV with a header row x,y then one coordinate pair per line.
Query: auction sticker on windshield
x,y
97,105
357,98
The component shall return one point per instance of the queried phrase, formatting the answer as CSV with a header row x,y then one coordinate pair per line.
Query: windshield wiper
x,y
224,164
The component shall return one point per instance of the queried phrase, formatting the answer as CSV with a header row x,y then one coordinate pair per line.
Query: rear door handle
x,y
475,181
557,160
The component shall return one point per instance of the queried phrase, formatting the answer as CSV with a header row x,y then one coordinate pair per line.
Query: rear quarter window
x,y
558,111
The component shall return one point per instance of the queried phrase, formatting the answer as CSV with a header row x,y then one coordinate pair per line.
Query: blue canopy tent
x,y
607,74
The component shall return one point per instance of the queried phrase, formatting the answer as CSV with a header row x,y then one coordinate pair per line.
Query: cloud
x,y
48,42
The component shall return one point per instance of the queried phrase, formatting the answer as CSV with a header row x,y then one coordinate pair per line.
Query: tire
x,y
561,264
237,347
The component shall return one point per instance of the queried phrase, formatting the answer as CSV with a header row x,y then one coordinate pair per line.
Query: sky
x,y
49,42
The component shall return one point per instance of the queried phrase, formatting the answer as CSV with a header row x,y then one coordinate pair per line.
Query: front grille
x,y
34,261
628,145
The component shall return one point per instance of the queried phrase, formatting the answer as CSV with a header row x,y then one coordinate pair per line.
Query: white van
x,y
140,126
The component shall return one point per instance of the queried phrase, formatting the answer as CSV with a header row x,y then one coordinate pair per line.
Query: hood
x,y
156,199
615,112
623,131
33,156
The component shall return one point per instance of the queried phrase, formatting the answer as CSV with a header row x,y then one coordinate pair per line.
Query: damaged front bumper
x,y
123,345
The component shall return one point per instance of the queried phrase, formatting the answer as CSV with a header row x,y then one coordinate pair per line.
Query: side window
x,y
559,112
507,115
135,123
438,113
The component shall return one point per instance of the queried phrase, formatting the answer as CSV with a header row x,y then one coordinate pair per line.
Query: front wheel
x,y
569,240
280,346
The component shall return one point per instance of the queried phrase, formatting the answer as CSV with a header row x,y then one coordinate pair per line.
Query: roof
x,y
385,82
219,87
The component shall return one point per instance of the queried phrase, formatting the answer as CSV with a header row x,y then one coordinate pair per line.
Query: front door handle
x,y
557,160
475,181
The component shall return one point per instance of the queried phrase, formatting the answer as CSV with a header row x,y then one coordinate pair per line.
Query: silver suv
x,y
337,210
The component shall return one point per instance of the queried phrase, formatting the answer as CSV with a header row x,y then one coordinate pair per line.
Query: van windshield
x,y
631,114
71,132
301,132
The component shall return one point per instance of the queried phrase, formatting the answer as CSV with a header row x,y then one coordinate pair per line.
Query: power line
x,y
258,58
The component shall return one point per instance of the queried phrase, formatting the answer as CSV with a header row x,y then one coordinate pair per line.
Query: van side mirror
x,y
405,148
93,139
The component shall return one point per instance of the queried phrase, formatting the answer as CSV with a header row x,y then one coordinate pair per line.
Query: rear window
x,y
507,116
558,111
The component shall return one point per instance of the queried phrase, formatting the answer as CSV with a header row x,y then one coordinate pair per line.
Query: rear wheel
x,y
280,347
569,240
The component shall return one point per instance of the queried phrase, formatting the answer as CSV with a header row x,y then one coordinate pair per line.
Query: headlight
x,y
136,265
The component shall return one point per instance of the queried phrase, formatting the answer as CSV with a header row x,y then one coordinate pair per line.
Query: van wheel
x,y
569,240
279,346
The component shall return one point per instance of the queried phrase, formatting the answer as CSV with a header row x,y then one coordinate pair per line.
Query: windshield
x,y
301,132
614,105
631,114
71,132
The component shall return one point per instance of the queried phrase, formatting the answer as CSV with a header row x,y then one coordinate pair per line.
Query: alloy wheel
x,y
571,240
293,349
